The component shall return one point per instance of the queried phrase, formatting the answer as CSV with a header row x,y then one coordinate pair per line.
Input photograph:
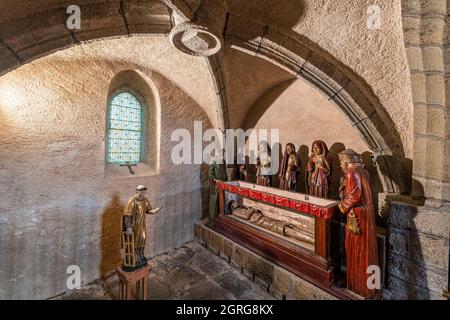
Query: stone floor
x,y
188,272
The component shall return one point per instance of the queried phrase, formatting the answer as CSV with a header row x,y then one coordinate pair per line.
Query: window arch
x,y
125,129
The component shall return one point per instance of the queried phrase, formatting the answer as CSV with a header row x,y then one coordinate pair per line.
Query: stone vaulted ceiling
x,y
31,29
364,71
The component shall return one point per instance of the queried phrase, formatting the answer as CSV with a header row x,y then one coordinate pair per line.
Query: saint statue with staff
x,y
134,234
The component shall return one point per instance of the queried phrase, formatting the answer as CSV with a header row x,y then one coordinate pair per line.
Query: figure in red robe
x,y
360,230
319,170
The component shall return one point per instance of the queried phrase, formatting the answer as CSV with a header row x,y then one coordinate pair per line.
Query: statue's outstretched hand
x,y
155,210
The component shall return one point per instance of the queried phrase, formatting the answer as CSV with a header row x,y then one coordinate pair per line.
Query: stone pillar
x,y
424,24
418,262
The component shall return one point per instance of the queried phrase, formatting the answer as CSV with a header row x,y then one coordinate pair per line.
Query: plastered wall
x,y
59,203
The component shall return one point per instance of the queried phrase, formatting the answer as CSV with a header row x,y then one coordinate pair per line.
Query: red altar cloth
x,y
300,206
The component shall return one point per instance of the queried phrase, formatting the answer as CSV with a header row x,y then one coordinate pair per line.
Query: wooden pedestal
x,y
136,279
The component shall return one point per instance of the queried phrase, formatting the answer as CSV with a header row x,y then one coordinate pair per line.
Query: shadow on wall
x,y
110,241
375,184
389,167
264,103
284,14
276,178
417,191
303,156
416,270
406,264
205,189
335,179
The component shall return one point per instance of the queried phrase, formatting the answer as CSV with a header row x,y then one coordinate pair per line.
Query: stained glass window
x,y
124,129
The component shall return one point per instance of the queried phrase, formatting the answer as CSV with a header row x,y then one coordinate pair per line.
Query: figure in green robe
x,y
216,172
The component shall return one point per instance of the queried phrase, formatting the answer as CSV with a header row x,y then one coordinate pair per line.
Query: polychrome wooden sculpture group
x,y
319,169
272,210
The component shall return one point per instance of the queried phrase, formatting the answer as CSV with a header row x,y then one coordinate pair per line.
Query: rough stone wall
x,y
418,252
58,204
278,282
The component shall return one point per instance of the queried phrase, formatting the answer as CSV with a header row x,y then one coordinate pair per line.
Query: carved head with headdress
x,y
350,157
290,149
319,147
319,163
140,192
264,147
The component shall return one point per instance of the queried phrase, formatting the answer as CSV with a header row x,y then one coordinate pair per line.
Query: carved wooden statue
x,y
134,227
319,169
216,172
360,230
242,173
259,219
289,169
263,174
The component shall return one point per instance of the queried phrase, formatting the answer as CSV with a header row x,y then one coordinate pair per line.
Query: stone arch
x,y
302,58
22,39
39,29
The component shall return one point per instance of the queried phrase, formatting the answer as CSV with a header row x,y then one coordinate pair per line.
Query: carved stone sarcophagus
x,y
290,229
